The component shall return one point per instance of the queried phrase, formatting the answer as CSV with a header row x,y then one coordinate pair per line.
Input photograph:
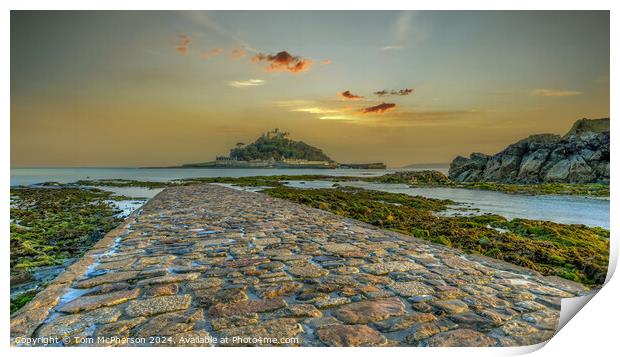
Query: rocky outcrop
x,y
580,156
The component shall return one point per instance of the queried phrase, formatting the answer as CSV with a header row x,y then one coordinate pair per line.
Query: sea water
x,y
593,212
557,208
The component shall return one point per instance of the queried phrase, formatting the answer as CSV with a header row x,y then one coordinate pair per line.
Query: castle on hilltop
x,y
276,149
277,134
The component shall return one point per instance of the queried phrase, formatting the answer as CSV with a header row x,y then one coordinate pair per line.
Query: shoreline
x,y
413,178
221,204
124,188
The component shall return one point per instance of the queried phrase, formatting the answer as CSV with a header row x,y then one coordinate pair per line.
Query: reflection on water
x,y
561,209
137,196
66,175
134,192
33,176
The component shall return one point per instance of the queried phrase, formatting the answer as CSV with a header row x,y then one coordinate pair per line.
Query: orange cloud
x,y
238,53
380,108
325,62
348,95
211,53
183,44
401,92
283,62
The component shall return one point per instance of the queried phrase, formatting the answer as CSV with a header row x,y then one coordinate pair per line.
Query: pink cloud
x,y
380,108
283,62
183,44
238,53
211,53
348,95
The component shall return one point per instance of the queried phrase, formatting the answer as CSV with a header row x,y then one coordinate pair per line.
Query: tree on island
x,y
276,145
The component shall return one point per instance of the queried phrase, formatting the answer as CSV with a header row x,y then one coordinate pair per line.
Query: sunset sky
x,y
167,88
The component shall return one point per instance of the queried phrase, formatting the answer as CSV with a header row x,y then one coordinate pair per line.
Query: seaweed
x,y
574,252
426,178
49,225
22,299
430,178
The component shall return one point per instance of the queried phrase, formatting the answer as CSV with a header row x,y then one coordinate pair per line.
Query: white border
x,y
590,332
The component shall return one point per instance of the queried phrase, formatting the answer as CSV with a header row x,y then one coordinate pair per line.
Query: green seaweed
x,y
413,178
576,189
575,252
22,299
426,178
430,178
123,183
49,225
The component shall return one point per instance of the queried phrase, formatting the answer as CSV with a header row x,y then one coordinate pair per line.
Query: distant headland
x,y
275,149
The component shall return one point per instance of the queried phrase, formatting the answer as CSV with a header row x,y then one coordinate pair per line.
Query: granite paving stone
x,y
201,262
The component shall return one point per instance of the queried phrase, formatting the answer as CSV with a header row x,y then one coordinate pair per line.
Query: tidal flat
x,y
51,226
53,223
424,178
206,260
574,252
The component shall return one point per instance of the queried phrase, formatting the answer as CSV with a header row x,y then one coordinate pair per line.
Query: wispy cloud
x,y
211,53
202,18
381,115
283,62
247,83
406,31
426,118
326,62
315,110
327,114
379,108
238,53
183,44
392,47
350,96
322,110
343,117
294,103
546,92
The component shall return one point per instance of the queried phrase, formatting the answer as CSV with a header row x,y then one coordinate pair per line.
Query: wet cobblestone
x,y
205,261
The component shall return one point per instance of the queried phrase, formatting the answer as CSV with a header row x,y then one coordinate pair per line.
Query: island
x,y
71,237
275,149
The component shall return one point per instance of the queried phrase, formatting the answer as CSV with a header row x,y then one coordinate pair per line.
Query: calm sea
x,y
64,175
592,212
561,209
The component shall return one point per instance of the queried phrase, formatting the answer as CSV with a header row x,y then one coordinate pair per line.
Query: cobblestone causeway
x,y
208,265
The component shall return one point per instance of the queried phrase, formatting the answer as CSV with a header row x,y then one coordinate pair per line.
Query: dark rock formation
x,y
580,156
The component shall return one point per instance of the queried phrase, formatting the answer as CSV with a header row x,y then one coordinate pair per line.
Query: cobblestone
x,y
205,261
